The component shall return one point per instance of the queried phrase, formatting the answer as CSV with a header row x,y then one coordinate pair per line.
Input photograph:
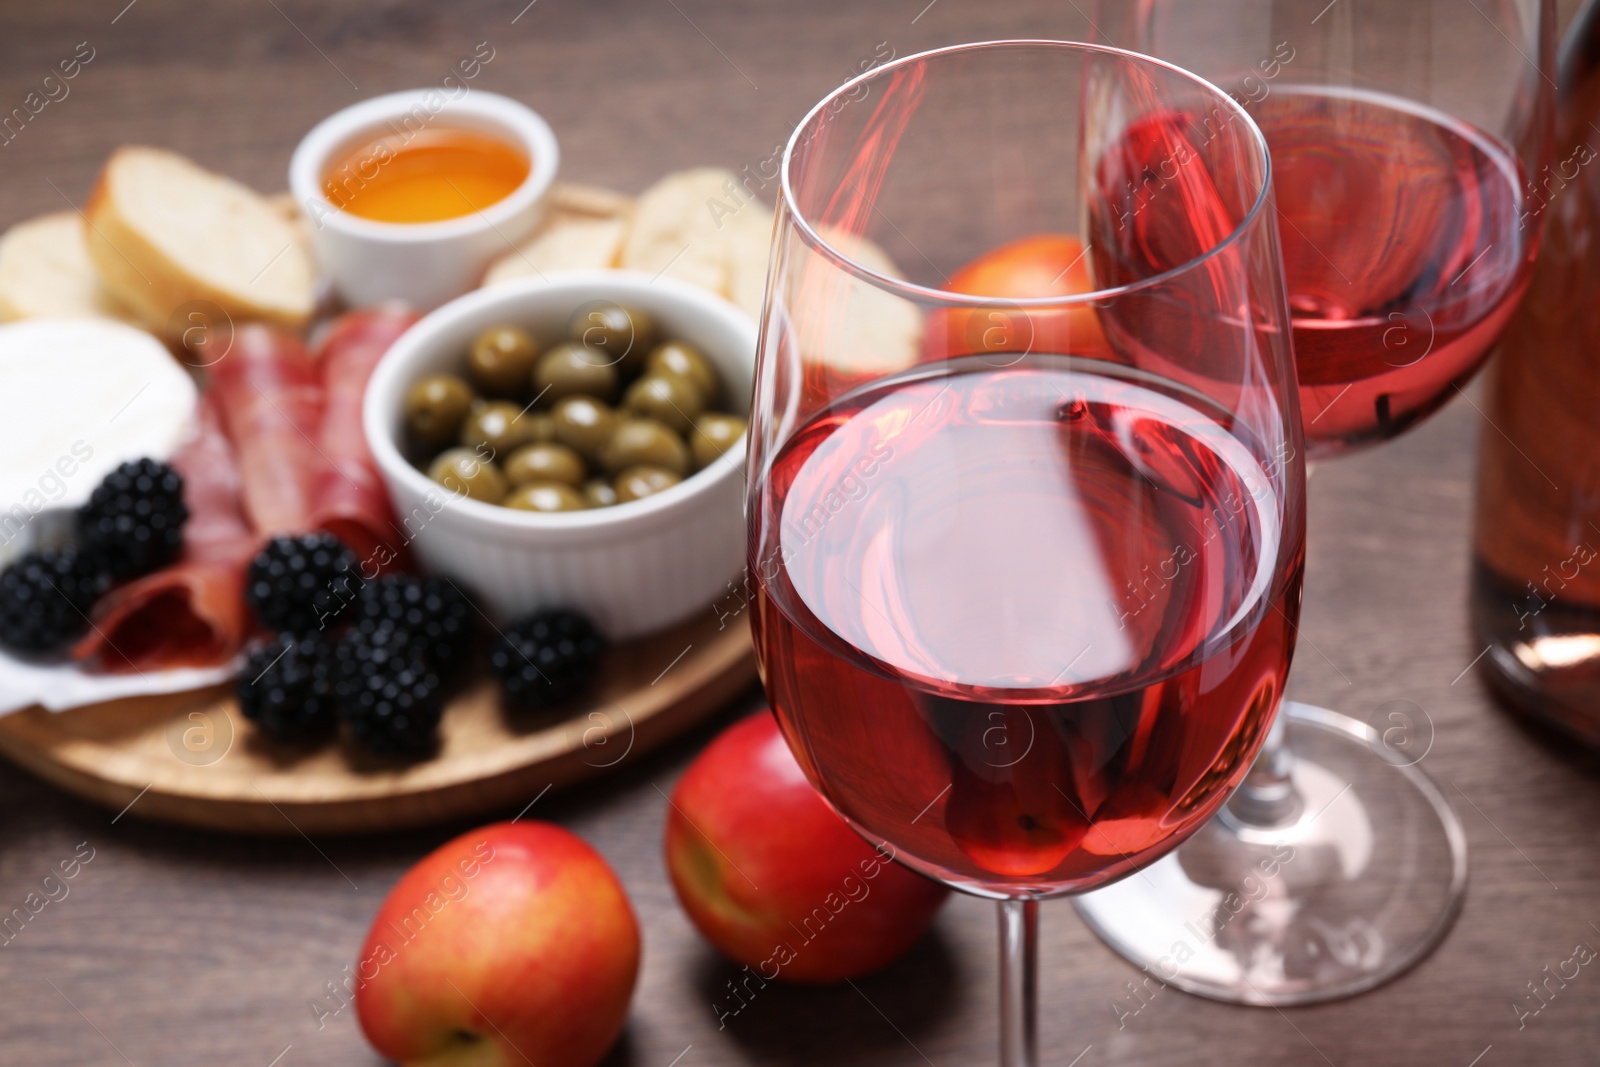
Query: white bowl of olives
x,y
575,440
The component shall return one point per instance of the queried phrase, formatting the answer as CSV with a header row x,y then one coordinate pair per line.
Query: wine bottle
x,y
1536,567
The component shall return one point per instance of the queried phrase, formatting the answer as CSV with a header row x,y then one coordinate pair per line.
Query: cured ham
x,y
278,449
212,489
271,400
349,499
192,613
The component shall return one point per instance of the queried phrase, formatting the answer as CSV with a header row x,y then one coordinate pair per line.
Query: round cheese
x,y
80,396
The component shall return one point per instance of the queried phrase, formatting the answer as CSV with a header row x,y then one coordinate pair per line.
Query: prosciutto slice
x,y
348,498
249,473
278,449
213,491
193,613
271,400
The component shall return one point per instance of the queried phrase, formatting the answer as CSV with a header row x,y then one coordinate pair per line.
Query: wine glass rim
x,y
924,294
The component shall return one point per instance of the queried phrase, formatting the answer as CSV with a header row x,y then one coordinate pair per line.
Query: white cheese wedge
x,y
78,396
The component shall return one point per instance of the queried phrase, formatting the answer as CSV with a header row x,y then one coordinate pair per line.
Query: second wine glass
x,y
1408,144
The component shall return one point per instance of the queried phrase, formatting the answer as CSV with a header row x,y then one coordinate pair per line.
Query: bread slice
x,y
164,232
45,270
869,331
702,226
567,242
572,198
747,237
288,209
583,229
676,228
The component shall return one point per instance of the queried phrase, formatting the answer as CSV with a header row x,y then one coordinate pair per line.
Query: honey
x,y
425,176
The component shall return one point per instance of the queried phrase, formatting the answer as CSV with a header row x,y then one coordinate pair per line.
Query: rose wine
x,y
1404,252
1027,624
1536,568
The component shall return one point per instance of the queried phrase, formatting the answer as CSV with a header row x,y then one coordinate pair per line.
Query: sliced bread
x,y
45,270
163,232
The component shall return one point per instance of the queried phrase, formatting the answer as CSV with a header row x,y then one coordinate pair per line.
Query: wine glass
x,y
1408,141
1027,557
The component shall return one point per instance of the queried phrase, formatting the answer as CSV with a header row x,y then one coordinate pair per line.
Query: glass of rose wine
x,y
1409,145
1027,545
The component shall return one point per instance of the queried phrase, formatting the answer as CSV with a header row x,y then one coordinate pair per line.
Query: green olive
x,y
571,369
498,426
624,334
435,408
635,483
666,398
463,471
714,435
584,424
544,463
541,428
501,360
599,494
687,361
545,496
646,442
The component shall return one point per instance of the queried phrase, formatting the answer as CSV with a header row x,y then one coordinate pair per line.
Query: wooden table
x,y
177,947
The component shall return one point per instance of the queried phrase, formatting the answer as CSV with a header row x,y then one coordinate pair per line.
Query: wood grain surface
x,y
178,947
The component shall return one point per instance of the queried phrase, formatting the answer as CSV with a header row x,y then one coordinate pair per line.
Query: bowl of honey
x,y
410,195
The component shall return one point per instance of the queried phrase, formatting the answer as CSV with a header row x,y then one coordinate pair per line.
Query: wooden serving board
x,y
193,758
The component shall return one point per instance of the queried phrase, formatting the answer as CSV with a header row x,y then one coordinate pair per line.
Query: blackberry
x,y
133,522
431,610
286,688
45,599
546,658
387,693
298,585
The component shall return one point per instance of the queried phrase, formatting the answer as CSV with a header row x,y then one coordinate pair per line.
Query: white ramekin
x,y
422,263
632,568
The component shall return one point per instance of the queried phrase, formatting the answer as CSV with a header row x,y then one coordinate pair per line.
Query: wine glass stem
x,y
1019,985
1267,797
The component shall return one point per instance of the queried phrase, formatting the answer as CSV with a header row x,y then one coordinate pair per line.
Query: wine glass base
x,y
1355,888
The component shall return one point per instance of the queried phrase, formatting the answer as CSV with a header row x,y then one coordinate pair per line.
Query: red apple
x,y
1044,265
774,878
512,944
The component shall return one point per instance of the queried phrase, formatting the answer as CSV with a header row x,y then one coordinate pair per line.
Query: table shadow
x,y
1563,746
856,1021
624,1052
